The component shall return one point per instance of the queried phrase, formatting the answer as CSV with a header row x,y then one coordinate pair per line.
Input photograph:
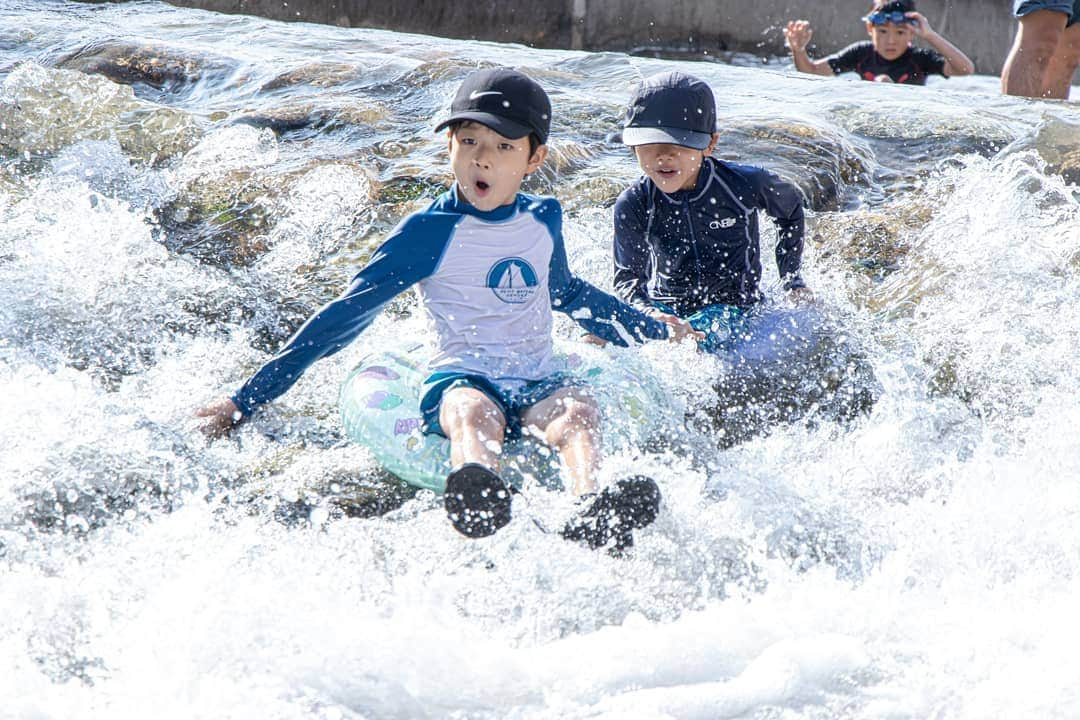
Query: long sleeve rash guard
x,y
488,280
701,246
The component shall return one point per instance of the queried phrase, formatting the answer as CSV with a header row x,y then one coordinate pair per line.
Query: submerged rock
x,y
325,115
1058,143
155,66
316,74
873,242
45,110
234,199
820,162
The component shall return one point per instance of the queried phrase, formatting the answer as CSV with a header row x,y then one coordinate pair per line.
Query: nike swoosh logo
x,y
476,94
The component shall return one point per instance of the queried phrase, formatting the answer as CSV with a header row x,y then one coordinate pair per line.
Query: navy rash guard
x,y
701,247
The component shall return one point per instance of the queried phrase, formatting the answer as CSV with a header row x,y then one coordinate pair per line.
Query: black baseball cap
x,y
671,107
507,101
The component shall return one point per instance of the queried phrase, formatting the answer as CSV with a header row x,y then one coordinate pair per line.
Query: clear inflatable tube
x,y
380,409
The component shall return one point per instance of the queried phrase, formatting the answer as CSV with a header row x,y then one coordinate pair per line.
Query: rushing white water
x,y
179,189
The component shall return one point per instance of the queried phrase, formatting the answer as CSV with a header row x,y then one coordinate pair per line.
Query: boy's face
x,y
890,40
489,167
672,167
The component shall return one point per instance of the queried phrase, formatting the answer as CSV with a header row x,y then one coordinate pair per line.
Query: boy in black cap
x,y
686,233
490,266
888,56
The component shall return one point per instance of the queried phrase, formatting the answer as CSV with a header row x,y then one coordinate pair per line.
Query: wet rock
x,y
873,242
223,220
820,162
325,115
315,74
902,140
44,110
83,487
408,189
296,488
1058,143
832,383
154,66
347,494
233,199
590,192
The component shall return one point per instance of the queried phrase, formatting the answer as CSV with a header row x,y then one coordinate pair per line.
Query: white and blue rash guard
x,y
489,281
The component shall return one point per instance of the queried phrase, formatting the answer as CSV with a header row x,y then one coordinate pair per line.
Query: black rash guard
x,y
911,68
700,247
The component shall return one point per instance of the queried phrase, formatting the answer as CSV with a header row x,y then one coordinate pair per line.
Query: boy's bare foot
x,y
221,418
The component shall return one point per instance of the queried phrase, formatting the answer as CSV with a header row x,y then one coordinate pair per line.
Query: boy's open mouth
x,y
482,186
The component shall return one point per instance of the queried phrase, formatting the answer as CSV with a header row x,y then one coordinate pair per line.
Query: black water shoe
x,y
611,516
477,501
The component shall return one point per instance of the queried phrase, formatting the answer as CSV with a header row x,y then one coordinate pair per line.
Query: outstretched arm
x,y
798,34
406,257
956,62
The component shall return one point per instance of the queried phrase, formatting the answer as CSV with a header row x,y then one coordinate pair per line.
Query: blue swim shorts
x,y
1071,8
511,398
722,325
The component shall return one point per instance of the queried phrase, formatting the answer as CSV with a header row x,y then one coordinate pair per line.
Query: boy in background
x,y
490,266
889,55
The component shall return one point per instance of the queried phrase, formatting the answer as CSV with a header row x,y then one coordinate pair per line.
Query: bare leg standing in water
x,y
1046,51
1063,65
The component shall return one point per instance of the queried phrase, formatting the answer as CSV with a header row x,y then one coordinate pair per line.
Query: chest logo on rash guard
x,y
513,280
722,224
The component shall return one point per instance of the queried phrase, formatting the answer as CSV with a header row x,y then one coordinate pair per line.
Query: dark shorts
x,y
511,400
1071,8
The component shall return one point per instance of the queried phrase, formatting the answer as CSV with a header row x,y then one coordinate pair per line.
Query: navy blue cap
x,y
507,101
672,108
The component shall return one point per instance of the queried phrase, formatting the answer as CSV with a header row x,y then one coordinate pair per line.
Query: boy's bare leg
x,y
1037,40
1063,65
569,421
475,426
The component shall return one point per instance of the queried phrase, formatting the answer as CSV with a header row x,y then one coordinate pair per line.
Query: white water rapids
x,y
179,189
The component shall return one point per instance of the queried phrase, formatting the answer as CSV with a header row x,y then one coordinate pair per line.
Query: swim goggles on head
x,y
896,17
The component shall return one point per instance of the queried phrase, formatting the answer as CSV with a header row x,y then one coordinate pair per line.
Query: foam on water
x,y
918,560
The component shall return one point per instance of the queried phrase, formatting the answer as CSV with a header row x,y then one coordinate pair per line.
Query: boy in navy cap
x,y
888,56
686,233
490,266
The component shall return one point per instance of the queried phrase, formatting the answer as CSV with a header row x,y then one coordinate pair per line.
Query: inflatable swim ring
x,y
380,409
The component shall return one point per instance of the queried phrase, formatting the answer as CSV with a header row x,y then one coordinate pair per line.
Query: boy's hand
x,y
678,329
798,34
921,26
801,295
222,417
593,340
